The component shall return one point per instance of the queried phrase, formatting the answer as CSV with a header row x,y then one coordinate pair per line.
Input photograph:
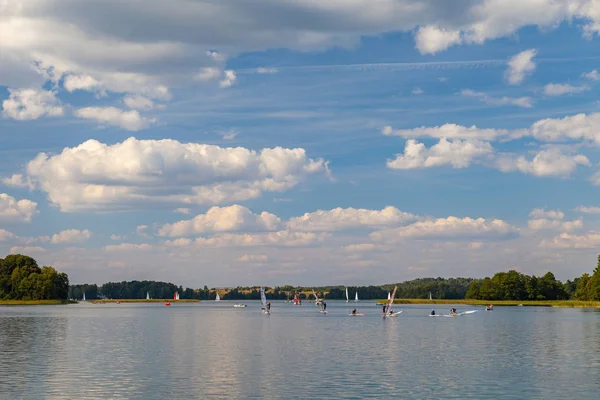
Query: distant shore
x,y
503,303
143,301
34,302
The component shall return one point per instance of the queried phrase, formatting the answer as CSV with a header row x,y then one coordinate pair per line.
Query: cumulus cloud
x,y
17,180
27,250
349,218
29,104
520,66
138,173
124,247
430,39
457,153
88,83
449,229
417,91
229,79
559,89
551,220
230,134
549,162
128,120
363,248
254,258
12,209
524,102
593,75
222,219
208,74
71,236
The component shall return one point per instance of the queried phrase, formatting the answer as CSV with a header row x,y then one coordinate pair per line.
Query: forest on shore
x,y
511,285
22,279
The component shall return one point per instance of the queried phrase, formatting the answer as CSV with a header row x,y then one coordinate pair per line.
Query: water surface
x,y
211,349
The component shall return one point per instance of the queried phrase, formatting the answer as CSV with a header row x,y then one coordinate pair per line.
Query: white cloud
x,y
449,229
71,236
124,247
116,237
550,162
28,250
593,75
17,180
254,258
520,66
208,74
230,134
588,210
349,218
222,219
216,56
182,210
590,240
139,102
499,101
449,131
137,173
29,104
263,70
574,127
431,39
12,209
417,91
551,220
81,82
5,235
129,120
270,239
559,89
363,248
229,80
458,153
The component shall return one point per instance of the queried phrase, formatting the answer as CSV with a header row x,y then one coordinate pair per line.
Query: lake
x,y
211,349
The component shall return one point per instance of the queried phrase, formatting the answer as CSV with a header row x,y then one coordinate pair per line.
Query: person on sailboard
x,y
384,306
324,305
269,307
354,312
432,312
453,311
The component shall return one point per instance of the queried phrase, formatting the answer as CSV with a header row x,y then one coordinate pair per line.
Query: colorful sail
x,y
390,301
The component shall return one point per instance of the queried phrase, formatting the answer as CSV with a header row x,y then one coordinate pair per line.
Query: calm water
x,y
190,351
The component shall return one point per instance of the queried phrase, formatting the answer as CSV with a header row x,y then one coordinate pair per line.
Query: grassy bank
x,y
33,302
507,303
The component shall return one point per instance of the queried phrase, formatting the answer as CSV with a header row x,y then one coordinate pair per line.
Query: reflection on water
x,y
214,350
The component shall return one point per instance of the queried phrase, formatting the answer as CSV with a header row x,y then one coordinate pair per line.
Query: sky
x,y
272,142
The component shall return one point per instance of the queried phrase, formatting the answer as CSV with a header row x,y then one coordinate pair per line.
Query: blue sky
x,y
287,142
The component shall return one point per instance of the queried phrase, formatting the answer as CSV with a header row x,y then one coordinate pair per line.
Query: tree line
x,y
22,279
511,285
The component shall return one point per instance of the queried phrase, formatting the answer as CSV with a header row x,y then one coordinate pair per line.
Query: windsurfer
x,y
354,312
432,312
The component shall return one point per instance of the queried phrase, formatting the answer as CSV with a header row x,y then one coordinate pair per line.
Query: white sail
x,y
429,295
263,297
83,296
317,301
218,298
356,297
148,295
347,298
177,297
391,300
388,295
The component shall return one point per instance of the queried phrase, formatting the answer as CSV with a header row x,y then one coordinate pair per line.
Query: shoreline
x,y
504,303
35,302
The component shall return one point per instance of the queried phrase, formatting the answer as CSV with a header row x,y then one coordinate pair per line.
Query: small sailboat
x,y
218,298
297,300
347,299
388,295
430,296
147,295
83,297
176,296
356,296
